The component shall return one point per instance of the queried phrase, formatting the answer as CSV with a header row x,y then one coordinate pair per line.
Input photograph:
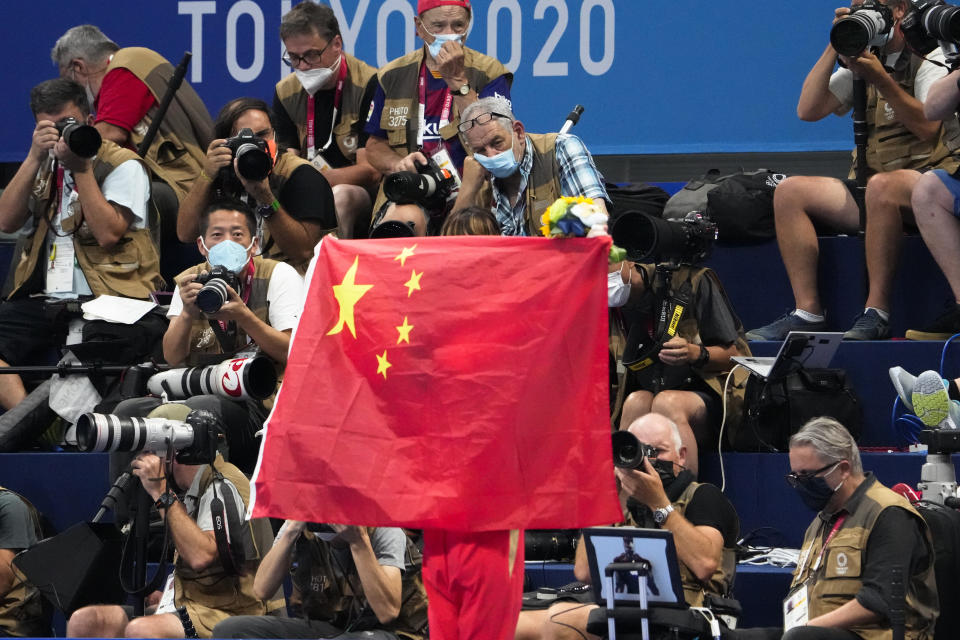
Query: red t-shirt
x,y
123,100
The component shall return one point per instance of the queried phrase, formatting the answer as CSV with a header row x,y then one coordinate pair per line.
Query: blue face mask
x,y
228,254
502,165
438,40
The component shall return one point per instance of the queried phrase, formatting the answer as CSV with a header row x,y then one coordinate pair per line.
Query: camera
x,y
867,25
929,22
393,229
214,293
195,440
252,153
550,544
629,452
82,139
647,238
430,186
237,379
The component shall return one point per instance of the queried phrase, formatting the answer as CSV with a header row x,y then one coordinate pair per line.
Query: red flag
x,y
456,383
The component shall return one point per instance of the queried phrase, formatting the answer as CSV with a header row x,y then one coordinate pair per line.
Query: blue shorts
x,y
953,186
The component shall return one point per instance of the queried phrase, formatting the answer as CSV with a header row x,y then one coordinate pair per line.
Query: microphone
x,y
572,119
112,498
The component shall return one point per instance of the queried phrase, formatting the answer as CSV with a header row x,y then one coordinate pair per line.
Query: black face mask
x,y
815,492
664,469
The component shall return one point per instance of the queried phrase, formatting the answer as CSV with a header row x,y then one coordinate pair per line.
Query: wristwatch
x,y
267,210
702,359
463,90
660,515
166,500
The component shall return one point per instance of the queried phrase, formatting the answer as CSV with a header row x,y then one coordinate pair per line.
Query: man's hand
x,y
149,467
451,65
839,12
71,161
189,288
351,534
45,137
218,157
675,351
867,66
409,162
259,190
644,485
233,309
474,175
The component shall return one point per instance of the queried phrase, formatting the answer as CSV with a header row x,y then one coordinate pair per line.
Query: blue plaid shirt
x,y
578,177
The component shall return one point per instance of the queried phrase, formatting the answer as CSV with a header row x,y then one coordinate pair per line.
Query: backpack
x,y
944,525
741,203
636,196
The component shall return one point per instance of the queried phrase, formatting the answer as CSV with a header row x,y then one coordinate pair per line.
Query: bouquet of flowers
x,y
577,217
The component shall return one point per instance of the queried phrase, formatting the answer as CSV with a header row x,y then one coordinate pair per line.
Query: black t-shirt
x,y
288,135
307,195
710,508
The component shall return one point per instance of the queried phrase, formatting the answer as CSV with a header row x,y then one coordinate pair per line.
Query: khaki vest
x,y
543,185
22,608
694,589
130,268
400,79
352,110
837,579
177,152
212,595
891,145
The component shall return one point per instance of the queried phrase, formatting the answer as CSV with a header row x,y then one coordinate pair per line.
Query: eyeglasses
x,y
796,479
483,118
311,57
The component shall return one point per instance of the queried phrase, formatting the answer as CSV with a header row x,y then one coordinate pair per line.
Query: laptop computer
x,y
812,350
606,545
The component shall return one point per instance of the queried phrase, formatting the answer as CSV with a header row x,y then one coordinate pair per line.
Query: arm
x,y
581,565
677,350
188,216
273,342
382,585
816,100
362,173
474,177
943,97
850,614
6,571
107,221
275,565
14,199
385,160
176,339
112,132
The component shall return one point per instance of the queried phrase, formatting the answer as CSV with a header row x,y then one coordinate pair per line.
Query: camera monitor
x,y
799,350
629,544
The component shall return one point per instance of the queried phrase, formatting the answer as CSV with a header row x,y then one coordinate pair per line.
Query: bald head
x,y
661,433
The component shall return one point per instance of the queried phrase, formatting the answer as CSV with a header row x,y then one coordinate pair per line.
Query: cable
x,y
723,423
943,352
564,624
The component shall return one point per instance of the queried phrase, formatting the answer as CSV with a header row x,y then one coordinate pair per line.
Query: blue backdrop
x,y
655,76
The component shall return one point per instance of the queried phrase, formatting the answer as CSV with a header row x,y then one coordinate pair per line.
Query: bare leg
x,y
887,195
12,391
690,413
568,621
97,621
161,625
636,404
797,201
354,208
933,210
530,624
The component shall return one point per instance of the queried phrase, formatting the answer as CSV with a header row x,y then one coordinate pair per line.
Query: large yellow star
x,y
382,364
406,253
404,331
348,293
413,284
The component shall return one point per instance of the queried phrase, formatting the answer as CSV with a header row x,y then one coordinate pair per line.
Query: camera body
x,y
647,238
254,161
214,293
629,452
430,187
867,25
82,139
194,440
930,22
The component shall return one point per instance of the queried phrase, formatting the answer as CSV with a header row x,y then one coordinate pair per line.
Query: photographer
x,y
662,493
294,203
84,220
22,607
193,500
527,172
350,582
321,107
900,137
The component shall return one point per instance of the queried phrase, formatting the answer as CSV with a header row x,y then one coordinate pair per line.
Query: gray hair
x,y
830,440
86,42
674,429
500,107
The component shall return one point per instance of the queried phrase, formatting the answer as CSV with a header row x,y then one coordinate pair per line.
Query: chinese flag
x,y
457,383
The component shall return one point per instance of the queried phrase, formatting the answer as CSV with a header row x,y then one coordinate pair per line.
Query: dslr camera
x,y
82,139
214,293
629,452
429,187
647,238
252,153
195,440
867,25
930,22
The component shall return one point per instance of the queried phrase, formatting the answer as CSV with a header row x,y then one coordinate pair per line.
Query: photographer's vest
x,y
329,596
212,595
694,589
352,112
130,268
837,579
891,145
177,153
543,184
286,164
22,608
203,340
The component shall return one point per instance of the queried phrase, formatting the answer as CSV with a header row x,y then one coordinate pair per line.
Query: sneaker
x,y
942,328
931,402
904,382
868,326
779,328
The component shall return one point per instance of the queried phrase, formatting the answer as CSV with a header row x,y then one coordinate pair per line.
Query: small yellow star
x,y
404,331
406,253
348,293
382,364
413,284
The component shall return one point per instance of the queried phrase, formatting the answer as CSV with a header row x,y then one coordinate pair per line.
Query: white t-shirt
x,y
841,82
284,293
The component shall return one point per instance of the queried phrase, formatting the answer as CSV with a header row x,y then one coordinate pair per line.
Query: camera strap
x,y
229,559
642,348
226,333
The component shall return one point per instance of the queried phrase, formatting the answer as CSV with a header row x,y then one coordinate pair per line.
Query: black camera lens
x,y
860,29
392,229
628,453
405,186
253,163
212,296
942,22
82,139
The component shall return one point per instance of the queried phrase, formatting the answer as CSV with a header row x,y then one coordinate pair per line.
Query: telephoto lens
x,y
861,28
82,139
106,432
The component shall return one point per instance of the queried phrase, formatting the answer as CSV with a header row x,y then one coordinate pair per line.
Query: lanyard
x,y
311,115
444,114
833,532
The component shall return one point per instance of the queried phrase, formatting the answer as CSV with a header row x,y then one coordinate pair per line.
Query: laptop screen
x,y
606,545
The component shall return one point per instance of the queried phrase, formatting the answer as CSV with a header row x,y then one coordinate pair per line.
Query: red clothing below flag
x,y
454,383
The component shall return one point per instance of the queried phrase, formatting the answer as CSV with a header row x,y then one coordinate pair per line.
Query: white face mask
x,y
90,96
312,80
618,291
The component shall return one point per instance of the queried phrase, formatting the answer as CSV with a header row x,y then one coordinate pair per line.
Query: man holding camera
x,y
292,200
320,110
84,217
527,172
661,493
900,137
21,605
212,579
349,582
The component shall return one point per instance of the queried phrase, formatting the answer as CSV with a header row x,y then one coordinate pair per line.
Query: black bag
x,y
944,525
636,196
740,203
776,409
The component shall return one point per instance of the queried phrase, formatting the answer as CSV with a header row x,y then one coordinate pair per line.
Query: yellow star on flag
x,y
348,293
404,331
413,284
404,254
382,364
